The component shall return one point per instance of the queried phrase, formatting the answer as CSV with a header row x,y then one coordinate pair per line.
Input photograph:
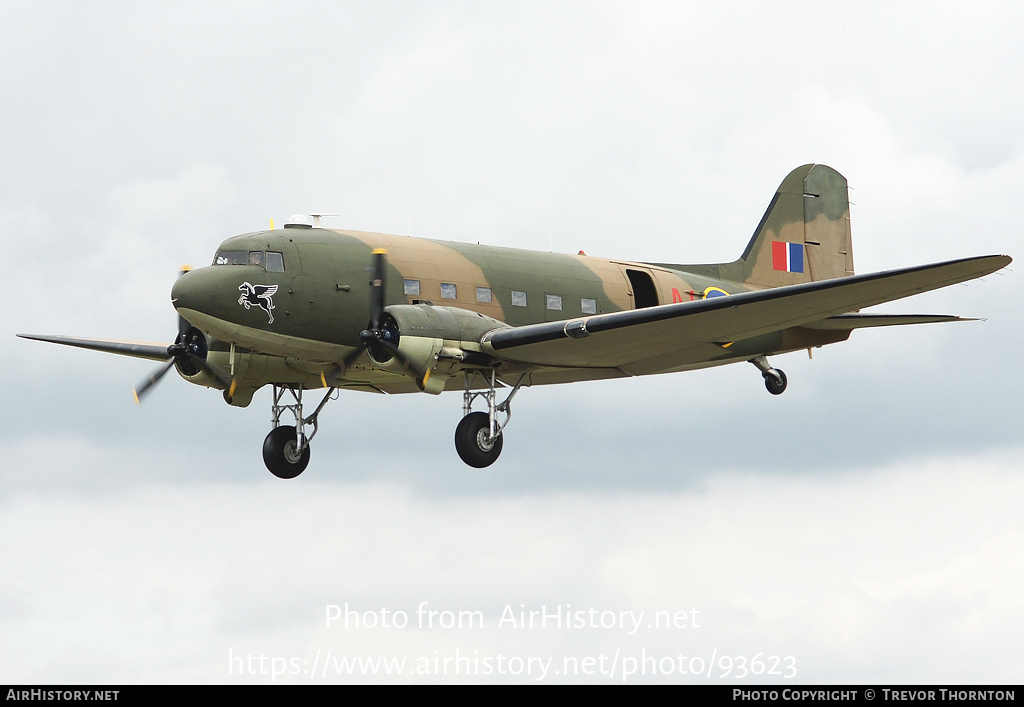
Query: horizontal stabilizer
x,y
847,322
153,352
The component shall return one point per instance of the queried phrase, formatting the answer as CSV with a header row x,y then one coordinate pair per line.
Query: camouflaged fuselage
x,y
321,303
308,310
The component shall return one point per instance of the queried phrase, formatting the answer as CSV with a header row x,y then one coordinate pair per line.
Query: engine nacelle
x,y
436,339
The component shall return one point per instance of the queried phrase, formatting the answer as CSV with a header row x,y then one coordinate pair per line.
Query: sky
x,y
864,527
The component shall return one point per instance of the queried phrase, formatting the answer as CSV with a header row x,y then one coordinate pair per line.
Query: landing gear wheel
x,y
473,440
775,387
279,453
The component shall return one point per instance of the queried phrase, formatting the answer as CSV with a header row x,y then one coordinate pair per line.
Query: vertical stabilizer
x,y
803,236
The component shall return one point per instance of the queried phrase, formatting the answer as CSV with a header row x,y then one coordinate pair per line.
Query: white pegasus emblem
x,y
258,296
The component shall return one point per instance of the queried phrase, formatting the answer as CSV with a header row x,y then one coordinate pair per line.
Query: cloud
x,y
158,583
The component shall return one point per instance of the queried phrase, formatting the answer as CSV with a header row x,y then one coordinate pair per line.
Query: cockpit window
x,y
231,257
275,262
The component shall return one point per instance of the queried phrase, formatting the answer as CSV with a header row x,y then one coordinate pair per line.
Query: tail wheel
x,y
281,455
473,440
775,386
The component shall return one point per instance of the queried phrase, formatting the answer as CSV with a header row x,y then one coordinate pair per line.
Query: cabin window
x,y
554,302
589,306
483,294
448,291
275,262
231,257
518,298
256,257
412,288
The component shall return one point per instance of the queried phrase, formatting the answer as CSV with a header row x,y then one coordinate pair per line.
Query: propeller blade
x,y
377,289
351,358
422,376
141,390
331,378
183,326
227,381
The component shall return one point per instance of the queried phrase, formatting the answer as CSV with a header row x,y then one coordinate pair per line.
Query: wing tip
x,y
1003,258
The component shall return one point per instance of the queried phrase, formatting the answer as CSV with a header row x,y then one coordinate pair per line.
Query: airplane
x,y
306,308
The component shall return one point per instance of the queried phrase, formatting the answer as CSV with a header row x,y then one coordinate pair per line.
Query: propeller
x,y
188,352
380,339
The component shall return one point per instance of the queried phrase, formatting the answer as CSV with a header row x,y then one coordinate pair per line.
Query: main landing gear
x,y
774,378
286,448
478,436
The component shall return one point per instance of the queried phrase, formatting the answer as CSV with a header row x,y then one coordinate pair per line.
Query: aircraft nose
x,y
187,291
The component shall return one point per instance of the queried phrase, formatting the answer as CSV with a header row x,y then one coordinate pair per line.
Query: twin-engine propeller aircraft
x,y
304,308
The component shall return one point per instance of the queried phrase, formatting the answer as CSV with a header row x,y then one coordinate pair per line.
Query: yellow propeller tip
x,y
135,394
232,388
323,378
379,251
185,268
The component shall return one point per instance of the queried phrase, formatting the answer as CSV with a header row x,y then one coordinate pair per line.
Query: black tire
x,y
472,443
775,387
279,453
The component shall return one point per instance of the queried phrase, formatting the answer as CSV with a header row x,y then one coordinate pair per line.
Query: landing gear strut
x,y
774,378
286,448
478,437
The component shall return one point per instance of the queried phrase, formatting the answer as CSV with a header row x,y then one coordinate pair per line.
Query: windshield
x,y
231,257
272,261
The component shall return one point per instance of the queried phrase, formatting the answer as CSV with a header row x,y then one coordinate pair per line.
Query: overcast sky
x,y
863,527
